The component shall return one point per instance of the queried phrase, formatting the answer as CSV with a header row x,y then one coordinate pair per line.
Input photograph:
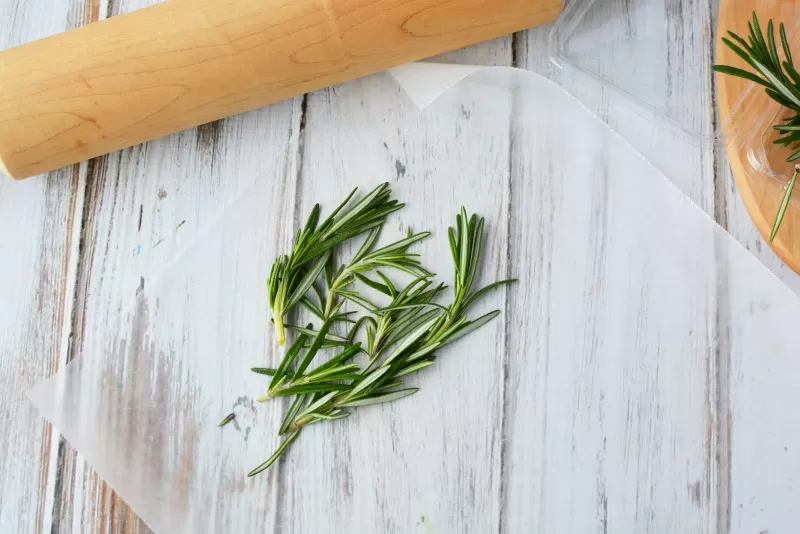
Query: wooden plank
x,y
145,206
764,377
554,470
444,464
430,462
39,239
607,392
38,243
149,205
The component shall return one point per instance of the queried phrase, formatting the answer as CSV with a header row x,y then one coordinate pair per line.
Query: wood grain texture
x,y
159,198
596,396
458,412
39,250
555,440
143,206
36,228
179,64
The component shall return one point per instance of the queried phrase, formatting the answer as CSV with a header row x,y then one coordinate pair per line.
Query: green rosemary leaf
x,y
266,371
772,49
410,340
388,283
368,244
326,374
339,359
332,217
311,388
401,331
313,219
778,97
287,361
309,278
361,301
370,380
741,47
313,349
228,418
787,53
463,248
470,327
778,85
275,455
475,250
296,406
382,191
350,377
398,246
453,246
371,337
451,328
272,280
311,333
366,319
314,417
472,299
312,307
756,36
380,399
319,403
409,269
343,317
741,73
419,282
320,299
792,72
424,351
415,366
374,285
741,53
385,388
424,305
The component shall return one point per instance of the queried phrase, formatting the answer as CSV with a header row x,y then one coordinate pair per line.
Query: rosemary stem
x,y
329,302
280,330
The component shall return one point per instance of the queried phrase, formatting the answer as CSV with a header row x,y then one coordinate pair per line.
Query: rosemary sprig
x,y
292,275
410,329
338,290
781,81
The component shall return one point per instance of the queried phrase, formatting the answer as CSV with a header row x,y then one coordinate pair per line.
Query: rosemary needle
x,y
228,418
293,274
787,196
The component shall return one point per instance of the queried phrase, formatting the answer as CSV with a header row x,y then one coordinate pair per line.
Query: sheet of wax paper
x,y
597,391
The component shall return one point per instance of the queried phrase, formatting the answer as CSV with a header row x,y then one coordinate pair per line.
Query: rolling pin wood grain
x,y
162,69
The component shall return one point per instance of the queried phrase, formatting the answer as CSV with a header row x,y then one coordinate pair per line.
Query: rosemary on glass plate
x,y
781,82
377,350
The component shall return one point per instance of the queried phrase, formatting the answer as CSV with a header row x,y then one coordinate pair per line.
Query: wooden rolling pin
x,y
159,70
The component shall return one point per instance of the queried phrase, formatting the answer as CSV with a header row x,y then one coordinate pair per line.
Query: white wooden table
x,y
61,259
